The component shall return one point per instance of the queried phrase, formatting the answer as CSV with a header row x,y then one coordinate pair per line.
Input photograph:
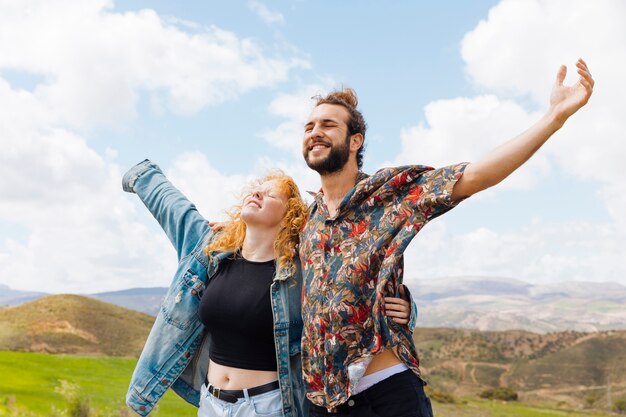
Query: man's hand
x,y
398,308
565,100
502,161
216,226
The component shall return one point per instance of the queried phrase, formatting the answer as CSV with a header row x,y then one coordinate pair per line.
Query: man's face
x,y
326,145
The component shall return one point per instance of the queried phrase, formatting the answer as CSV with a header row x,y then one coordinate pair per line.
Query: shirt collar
x,y
320,193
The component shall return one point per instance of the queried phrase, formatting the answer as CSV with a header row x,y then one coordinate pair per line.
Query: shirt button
x,y
194,292
351,403
164,381
187,354
142,408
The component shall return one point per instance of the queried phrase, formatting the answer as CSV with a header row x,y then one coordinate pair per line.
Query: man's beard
x,y
334,162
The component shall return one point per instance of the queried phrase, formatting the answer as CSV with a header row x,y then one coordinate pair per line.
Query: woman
x,y
227,337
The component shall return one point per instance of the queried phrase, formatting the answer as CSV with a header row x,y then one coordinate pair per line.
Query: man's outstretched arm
x,y
502,161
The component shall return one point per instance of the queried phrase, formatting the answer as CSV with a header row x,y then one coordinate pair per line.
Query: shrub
x,y
500,393
440,396
619,406
77,405
591,399
9,403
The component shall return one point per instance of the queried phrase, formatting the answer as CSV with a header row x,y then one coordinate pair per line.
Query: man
x,y
356,362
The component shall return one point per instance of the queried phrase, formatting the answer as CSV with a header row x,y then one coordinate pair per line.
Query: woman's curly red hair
x,y
230,238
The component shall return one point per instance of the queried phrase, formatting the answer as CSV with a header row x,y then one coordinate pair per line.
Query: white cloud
x,y
514,54
86,238
591,145
77,230
96,62
465,129
520,45
211,191
264,13
538,252
502,54
294,108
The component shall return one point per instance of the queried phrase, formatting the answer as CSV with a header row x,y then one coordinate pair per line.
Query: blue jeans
x,y
400,395
268,404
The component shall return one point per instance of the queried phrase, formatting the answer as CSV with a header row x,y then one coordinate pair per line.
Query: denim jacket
x,y
176,352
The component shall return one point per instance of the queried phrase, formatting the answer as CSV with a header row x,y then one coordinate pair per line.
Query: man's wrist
x,y
555,118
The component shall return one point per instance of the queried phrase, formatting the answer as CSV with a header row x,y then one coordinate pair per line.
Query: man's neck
x,y
258,245
336,185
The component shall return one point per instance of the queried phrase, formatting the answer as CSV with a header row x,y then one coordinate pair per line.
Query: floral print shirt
x,y
351,262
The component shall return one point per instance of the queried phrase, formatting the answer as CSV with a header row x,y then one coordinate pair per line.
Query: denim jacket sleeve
x,y
178,217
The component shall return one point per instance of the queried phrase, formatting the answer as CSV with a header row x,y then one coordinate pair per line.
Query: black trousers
x,y
400,395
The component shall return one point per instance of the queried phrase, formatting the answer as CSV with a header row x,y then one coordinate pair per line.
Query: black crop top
x,y
237,313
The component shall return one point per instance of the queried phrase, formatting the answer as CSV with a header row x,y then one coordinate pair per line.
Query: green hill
x,y
571,368
595,360
73,324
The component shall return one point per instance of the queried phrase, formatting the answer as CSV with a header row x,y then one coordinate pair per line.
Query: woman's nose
x,y
257,194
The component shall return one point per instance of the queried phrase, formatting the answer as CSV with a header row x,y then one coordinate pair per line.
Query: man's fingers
x,y
400,321
586,84
397,307
216,226
391,313
396,303
585,75
560,75
584,72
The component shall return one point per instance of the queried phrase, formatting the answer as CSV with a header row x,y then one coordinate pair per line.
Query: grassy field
x,y
33,384
487,408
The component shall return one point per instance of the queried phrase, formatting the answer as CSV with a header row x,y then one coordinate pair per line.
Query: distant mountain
x,y
483,303
146,300
73,324
9,296
505,304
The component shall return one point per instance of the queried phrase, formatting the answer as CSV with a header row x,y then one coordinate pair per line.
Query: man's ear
x,y
356,142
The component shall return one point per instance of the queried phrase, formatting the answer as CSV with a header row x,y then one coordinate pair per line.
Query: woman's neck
x,y
258,245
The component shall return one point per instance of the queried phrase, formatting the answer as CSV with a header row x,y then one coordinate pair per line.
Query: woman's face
x,y
265,206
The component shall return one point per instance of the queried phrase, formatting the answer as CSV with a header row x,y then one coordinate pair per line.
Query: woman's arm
x,y
178,217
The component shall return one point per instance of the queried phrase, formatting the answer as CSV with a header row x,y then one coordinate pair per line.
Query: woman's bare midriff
x,y
383,360
226,377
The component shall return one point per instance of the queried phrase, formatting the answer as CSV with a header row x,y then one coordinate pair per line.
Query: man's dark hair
x,y
356,123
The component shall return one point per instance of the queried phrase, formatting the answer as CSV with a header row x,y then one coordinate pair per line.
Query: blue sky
x,y
418,42
217,92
